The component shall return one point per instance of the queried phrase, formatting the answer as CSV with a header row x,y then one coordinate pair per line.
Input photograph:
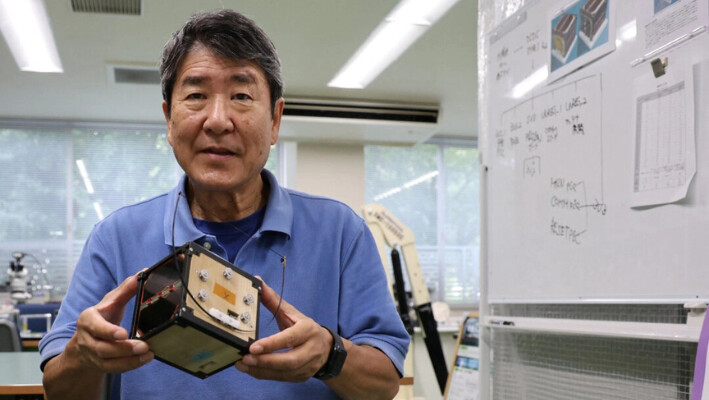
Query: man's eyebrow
x,y
196,80
244,77
193,80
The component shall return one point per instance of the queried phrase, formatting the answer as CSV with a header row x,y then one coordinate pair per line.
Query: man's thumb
x,y
114,302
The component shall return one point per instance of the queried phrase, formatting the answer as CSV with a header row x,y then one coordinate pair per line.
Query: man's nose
x,y
219,116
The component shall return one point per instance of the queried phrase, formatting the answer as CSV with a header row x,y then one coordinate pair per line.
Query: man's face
x,y
221,127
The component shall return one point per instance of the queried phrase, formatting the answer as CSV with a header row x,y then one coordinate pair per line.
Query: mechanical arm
x,y
390,232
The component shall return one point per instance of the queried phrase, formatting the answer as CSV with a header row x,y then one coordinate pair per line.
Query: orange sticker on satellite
x,y
224,293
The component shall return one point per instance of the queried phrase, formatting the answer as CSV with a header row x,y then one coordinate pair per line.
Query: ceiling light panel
x,y
400,29
25,26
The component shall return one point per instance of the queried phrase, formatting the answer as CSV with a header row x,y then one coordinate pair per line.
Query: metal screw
x,y
228,273
245,317
202,295
248,299
204,275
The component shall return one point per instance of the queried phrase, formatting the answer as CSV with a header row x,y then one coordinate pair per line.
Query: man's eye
x,y
195,96
242,96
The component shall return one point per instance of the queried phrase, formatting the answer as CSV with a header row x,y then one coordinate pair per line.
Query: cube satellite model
x,y
564,34
196,311
593,15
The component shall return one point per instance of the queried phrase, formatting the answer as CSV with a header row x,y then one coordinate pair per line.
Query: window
x,y
434,190
57,182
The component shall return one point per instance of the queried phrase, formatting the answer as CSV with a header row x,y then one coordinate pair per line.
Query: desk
x,y
30,340
30,343
20,374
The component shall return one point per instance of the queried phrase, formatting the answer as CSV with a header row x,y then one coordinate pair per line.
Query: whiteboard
x,y
560,162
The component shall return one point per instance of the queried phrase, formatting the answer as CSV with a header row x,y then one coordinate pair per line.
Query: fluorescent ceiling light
x,y
98,210
85,176
388,193
421,179
402,27
416,181
530,82
629,31
25,25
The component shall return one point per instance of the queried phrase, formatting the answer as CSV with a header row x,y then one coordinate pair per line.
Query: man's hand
x,y
99,346
296,353
302,347
101,342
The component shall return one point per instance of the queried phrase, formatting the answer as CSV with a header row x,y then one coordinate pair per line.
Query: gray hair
x,y
228,34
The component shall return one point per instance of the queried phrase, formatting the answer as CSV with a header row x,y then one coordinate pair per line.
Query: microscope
x,y
18,275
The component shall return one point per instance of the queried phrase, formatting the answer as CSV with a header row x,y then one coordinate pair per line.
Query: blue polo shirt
x,y
333,275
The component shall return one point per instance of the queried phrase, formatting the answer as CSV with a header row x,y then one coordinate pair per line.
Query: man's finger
x,y
123,348
124,292
291,337
297,364
120,365
269,297
93,322
271,300
113,303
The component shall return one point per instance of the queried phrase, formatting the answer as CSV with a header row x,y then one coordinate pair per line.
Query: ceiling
x,y
314,39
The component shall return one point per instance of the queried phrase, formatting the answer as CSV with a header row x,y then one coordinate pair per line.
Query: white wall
x,y
332,170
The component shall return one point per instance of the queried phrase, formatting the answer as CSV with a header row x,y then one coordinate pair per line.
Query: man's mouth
x,y
219,151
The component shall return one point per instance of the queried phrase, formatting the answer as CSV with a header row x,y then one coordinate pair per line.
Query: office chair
x,y
9,337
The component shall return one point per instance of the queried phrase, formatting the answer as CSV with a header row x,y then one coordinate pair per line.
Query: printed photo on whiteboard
x,y
665,154
580,33
662,4
670,22
564,39
594,25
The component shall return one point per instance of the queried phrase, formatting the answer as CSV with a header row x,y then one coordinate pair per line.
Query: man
x,y
223,104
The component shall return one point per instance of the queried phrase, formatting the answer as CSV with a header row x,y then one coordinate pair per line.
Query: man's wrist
x,y
335,360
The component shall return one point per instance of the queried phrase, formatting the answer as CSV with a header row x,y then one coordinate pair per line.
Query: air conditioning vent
x,y
124,7
134,75
358,122
361,111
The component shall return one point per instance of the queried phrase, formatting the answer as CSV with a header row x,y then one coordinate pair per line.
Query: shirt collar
x,y
278,217
279,210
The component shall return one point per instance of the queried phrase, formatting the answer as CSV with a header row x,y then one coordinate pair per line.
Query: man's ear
x,y
166,113
277,115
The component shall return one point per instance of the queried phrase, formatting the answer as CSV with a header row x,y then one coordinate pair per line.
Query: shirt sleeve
x,y
91,281
368,314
